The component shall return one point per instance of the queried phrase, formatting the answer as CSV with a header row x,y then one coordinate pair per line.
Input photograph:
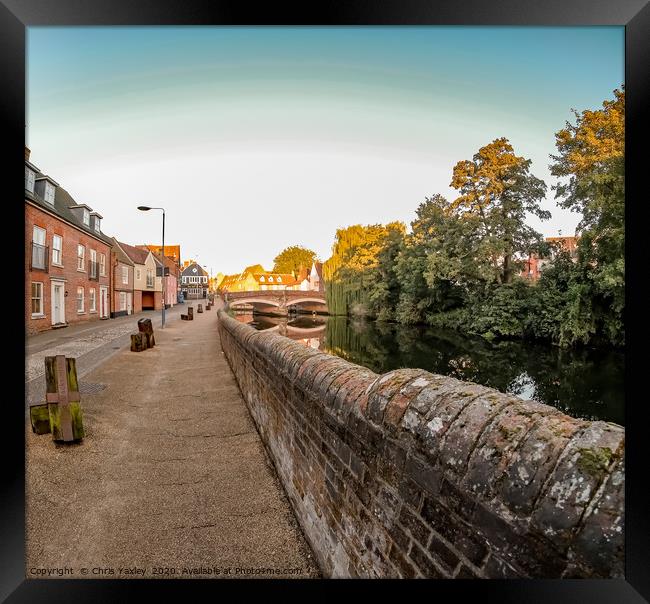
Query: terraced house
x,y
66,256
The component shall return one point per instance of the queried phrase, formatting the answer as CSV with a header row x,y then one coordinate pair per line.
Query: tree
x,y
592,157
293,259
496,192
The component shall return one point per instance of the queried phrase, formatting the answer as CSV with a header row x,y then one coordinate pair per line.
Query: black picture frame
x,y
16,15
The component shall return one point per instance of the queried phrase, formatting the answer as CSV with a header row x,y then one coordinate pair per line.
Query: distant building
x,y
171,251
194,282
534,264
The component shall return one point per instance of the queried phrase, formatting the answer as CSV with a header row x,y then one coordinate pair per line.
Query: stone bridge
x,y
277,302
411,474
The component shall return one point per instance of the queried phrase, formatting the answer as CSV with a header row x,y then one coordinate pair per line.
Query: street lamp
x,y
162,272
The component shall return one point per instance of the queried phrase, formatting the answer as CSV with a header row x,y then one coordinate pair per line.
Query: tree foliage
x,y
292,259
459,264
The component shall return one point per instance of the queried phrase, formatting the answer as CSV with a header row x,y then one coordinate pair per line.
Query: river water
x,y
585,383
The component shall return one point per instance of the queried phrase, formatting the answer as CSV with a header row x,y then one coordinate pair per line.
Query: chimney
x,y
27,153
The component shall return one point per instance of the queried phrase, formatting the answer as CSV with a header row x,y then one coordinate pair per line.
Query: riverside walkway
x,y
171,480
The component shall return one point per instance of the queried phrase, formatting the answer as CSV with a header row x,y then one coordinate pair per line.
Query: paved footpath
x,y
171,477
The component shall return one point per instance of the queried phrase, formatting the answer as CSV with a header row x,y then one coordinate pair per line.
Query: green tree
x,y
591,162
497,192
293,259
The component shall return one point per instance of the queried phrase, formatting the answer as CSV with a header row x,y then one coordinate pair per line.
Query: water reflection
x,y
584,383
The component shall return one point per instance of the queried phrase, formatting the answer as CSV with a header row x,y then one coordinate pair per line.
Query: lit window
x,y
261,279
49,192
80,299
93,301
30,177
81,253
57,247
37,299
86,217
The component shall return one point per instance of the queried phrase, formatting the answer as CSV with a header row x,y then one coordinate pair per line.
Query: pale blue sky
x,y
254,139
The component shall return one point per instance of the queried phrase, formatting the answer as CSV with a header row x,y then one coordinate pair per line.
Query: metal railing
x,y
40,256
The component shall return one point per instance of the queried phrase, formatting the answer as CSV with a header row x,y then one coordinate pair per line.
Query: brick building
x,y
67,272
534,264
123,279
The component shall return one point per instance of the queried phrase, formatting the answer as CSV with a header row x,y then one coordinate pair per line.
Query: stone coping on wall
x,y
436,476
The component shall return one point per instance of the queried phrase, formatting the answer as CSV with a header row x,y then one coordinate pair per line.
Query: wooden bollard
x,y
200,308
145,326
63,399
208,306
183,317
138,341
40,417
190,313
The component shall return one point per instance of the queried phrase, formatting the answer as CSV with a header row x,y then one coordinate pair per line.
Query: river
x,y
584,383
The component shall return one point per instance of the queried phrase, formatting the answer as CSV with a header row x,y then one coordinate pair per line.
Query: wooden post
x,y
190,313
63,398
138,341
40,417
145,326
200,308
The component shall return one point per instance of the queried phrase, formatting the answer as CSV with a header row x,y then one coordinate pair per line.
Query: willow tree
x,y
352,273
496,192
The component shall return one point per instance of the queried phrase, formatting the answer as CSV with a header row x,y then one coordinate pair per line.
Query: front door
x,y
103,302
58,304
129,303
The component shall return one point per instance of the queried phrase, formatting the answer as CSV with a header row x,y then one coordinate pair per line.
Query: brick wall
x,y
68,271
412,474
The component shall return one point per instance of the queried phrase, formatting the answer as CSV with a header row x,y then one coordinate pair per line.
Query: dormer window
x,y
270,279
86,217
261,279
97,223
30,179
49,193
279,279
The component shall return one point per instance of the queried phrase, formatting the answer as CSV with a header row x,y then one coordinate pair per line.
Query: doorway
x,y
58,304
103,302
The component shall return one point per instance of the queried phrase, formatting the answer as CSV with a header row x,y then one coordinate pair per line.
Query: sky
x,y
257,138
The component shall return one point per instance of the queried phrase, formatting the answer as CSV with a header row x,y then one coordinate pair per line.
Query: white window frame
x,y
40,313
58,262
97,223
30,179
122,300
125,275
102,265
81,259
82,291
86,217
92,300
48,194
150,274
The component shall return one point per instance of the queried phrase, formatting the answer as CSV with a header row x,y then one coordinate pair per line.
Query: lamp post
x,y
162,271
